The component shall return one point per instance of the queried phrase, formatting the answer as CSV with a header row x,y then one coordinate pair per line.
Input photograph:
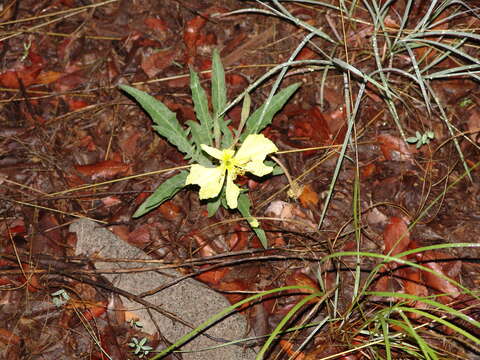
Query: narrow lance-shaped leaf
x,y
255,124
164,192
166,121
219,94
200,103
244,208
199,137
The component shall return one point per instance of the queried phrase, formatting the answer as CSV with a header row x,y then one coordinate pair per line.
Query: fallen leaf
x,y
306,54
229,288
308,197
212,277
106,169
287,346
158,61
140,237
298,278
156,24
434,281
396,236
8,338
394,148
169,210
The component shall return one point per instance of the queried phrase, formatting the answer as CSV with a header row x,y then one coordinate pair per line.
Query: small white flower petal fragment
x,y
249,158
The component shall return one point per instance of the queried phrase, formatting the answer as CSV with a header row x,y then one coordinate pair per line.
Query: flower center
x,y
228,161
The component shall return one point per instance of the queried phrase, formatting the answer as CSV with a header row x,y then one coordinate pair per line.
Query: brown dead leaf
x,y
298,278
396,236
434,281
106,169
230,287
308,198
158,61
212,277
394,148
169,210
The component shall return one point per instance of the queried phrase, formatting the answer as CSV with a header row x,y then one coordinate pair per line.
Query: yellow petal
x,y
210,180
217,154
255,147
257,168
232,191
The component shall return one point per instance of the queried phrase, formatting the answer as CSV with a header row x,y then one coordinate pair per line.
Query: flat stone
x,y
189,299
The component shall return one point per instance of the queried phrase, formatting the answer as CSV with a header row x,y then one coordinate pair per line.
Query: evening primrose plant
x,y
211,146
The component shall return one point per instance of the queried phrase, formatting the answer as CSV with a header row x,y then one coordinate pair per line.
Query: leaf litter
x,y
69,142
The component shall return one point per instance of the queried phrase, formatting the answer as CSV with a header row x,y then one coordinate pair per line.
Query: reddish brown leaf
x,y
287,346
212,277
9,338
436,282
158,61
232,286
368,170
413,282
94,311
396,236
298,278
306,54
169,210
206,249
394,148
48,77
140,237
156,24
106,169
76,104
12,78
121,231
308,198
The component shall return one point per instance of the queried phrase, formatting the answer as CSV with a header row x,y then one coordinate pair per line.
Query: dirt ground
x,y
73,145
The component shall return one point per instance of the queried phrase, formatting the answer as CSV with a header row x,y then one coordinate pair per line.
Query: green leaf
x,y
200,103
277,170
199,137
227,138
412,140
164,192
166,121
212,206
255,124
219,90
244,208
219,93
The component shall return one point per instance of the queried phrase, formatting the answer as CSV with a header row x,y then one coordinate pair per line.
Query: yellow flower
x,y
249,158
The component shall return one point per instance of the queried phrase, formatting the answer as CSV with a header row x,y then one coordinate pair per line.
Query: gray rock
x,y
189,299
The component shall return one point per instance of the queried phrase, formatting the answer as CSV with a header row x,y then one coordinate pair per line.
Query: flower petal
x,y
210,180
255,147
217,154
257,168
232,191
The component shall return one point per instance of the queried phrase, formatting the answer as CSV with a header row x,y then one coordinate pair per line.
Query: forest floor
x,y
73,145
